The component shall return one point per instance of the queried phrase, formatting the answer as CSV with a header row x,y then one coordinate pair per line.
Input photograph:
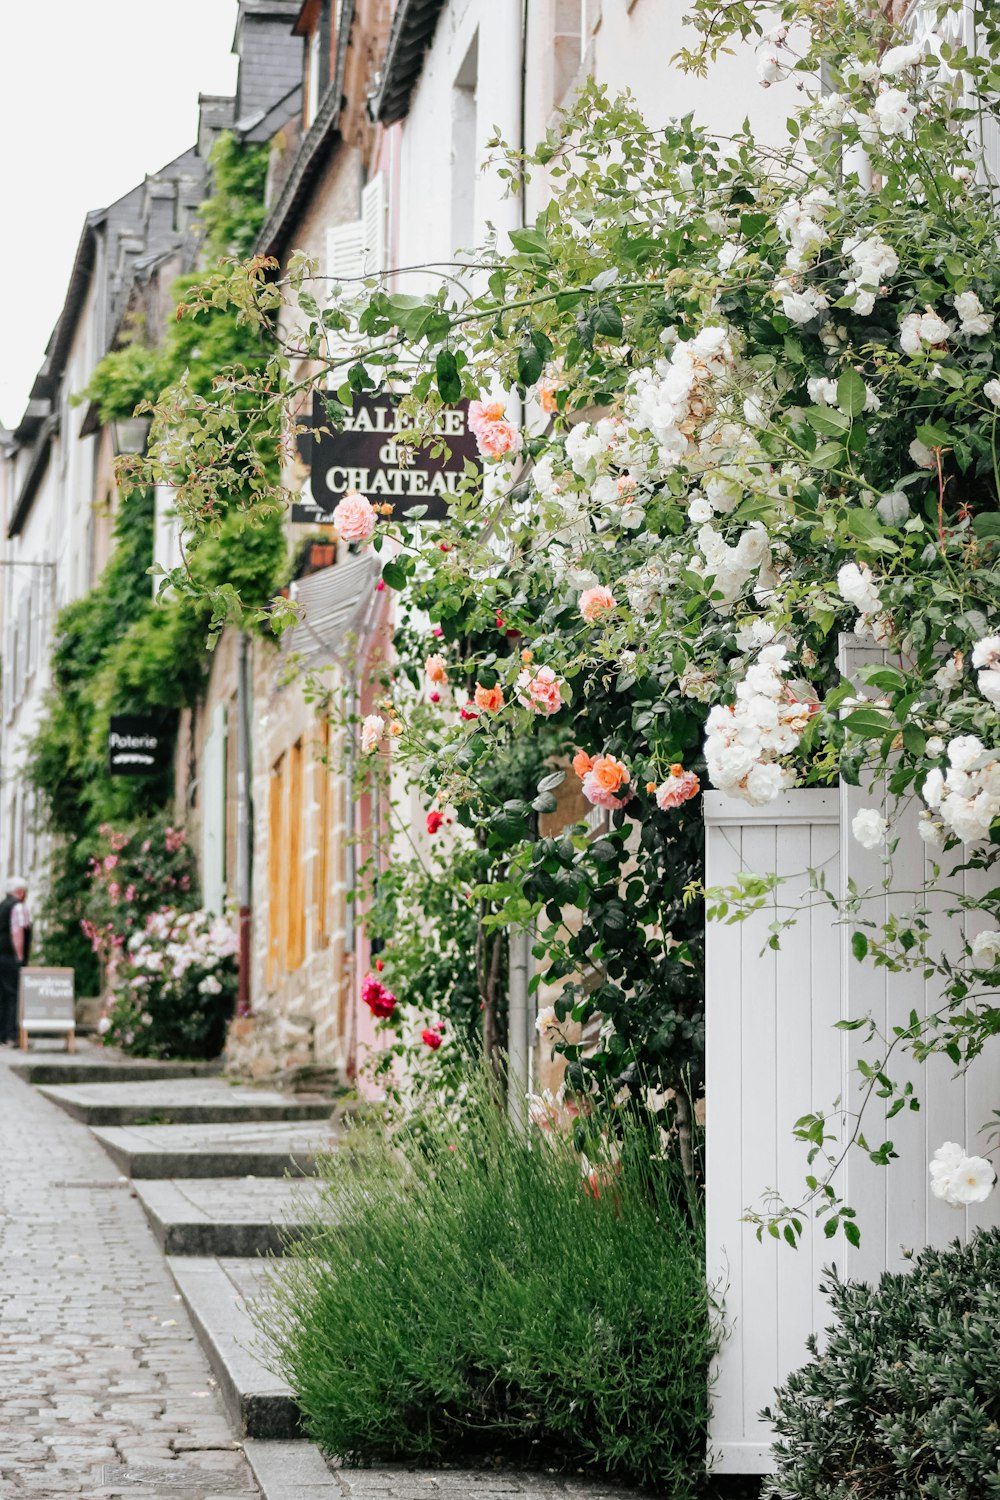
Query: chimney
x,y
270,56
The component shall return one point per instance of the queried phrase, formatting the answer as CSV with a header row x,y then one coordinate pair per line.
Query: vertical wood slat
x,y
321,868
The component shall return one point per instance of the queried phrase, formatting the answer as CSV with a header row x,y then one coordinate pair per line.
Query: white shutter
x,y
345,250
213,813
373,209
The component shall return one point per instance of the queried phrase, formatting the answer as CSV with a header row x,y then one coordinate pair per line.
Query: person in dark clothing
x,y
15,951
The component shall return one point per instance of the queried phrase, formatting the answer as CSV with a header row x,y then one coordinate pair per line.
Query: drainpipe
x,y
350,876
244,821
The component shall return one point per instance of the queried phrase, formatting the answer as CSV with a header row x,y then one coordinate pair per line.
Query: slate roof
x,y
413,27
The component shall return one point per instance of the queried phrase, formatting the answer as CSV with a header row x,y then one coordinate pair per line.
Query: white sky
x,y
93,95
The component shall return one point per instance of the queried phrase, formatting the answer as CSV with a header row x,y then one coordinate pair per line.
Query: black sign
x,y
365,455
137,746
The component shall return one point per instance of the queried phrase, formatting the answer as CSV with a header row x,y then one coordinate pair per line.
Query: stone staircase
x,y
224,1173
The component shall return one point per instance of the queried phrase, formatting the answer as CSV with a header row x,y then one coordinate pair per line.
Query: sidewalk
x,y
100,1370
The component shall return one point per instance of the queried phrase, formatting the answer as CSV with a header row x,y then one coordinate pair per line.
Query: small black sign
x,y
365,456
137,746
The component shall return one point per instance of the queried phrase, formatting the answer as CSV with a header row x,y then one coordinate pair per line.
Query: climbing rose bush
x,y
731,401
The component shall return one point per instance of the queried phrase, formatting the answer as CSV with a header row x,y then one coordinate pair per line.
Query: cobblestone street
x,y
99,1366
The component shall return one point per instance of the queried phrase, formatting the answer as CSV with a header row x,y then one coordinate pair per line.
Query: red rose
x,y
434,821
380,1001
431,1039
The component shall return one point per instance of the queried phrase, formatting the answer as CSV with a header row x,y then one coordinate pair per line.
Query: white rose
x,y
958,1179
822,391
700,511
769,67
934,330
546,1023
856,586
765,781
909,334
372,730
986,948
922,456
893,112
869,827
991,390
802,307
935,746
933,788
931,830
898,58
974,320
964,751
986,652
988,683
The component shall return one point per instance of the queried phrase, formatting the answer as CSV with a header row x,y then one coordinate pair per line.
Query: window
x,y
464,164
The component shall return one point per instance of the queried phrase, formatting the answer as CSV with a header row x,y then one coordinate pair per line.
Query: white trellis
x,y
773,1055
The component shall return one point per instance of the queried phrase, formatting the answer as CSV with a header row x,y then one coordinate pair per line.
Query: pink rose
x,y
483,413
596,602
110,860
354,517
606,784
541,691
497,438
680,786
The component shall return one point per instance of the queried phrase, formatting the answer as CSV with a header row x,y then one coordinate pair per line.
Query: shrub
x,y
173,987
477,1293
135,872
904,1400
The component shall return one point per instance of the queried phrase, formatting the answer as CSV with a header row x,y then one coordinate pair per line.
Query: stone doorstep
x,y
268,1149
180,1101
84,1067
230,1217
214,1291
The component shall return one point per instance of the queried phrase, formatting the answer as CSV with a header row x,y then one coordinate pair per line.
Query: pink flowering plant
x,y
134,871
174,986
732,401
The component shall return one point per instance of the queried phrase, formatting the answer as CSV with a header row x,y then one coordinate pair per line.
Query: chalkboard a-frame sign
x,y
365,456
45,1004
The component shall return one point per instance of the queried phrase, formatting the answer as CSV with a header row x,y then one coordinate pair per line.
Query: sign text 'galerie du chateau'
x,y
365,455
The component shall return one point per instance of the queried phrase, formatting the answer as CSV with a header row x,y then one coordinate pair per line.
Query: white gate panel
x,y
771,1051
772,1055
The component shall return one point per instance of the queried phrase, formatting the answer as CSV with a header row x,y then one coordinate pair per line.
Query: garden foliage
x,y
904,1398
472,1290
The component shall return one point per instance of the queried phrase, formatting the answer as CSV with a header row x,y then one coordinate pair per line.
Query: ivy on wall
x,y
117,648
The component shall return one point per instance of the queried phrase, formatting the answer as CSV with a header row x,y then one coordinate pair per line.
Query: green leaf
x,y
868,722
449,381
607,320
529,241
987,525
851,393
394,574
852,1232
859,945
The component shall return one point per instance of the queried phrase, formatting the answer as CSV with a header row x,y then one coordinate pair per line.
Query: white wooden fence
x,y
773,1055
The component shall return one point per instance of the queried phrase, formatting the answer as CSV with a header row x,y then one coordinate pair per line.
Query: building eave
x,y
37,465
413,25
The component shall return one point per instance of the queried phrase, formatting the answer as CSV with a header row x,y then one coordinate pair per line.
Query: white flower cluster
x,y
823,392
958,1179
671,400
872,263
973,318
966,798
920,331
731,568
986,660
174,942
745,741
856,586
800,224
800,304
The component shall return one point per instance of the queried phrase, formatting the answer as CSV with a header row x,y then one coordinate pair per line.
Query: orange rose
x,y
609,774
490,699
582,763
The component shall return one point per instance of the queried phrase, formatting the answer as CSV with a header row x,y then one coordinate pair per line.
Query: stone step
x,y
228,1216
168,1101
253,1149
291,1471
93,1067
215,1292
